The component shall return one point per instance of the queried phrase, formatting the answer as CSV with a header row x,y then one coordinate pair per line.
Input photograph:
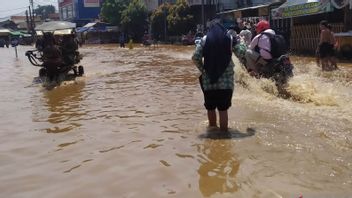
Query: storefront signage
x,y
341,3
264,11
91,3
302,10
237,14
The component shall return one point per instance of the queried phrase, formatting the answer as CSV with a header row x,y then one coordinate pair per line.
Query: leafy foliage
x,y
180,19
158,19
134,19
111,10
44,11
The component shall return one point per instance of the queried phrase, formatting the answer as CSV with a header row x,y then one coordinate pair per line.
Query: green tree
x,y
44,11
134,19
111,10
180,19
158,20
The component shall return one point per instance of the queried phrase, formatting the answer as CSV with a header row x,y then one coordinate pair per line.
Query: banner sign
x,y
264,11
341,3
91,3
237,14
302,10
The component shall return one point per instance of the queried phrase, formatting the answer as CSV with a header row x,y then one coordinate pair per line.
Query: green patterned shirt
x,y
226,80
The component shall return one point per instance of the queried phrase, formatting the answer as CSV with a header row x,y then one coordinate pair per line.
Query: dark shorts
x,y
218,99
325,50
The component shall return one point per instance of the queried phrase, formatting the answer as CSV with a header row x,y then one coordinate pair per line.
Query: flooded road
x,y
134,126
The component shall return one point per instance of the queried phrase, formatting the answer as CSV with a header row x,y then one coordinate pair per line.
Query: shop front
x,y
304,17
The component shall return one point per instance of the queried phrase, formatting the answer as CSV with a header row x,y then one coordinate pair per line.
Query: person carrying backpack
x,y
264,47
217,74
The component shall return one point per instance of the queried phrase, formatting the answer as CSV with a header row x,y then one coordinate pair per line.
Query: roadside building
x,y
303,17
7,23
21,22
151,5
80,12
210,8
54,16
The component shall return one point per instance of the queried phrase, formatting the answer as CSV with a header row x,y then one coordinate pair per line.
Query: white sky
x,y
11,7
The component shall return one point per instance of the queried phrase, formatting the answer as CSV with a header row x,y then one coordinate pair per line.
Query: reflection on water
x,y
218,167
64,106
216,134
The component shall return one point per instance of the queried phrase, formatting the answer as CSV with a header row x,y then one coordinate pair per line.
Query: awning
x,y
88,25
57,32
4,32
297,8
16,33
242,9
338,4
20,34
55,25
82,29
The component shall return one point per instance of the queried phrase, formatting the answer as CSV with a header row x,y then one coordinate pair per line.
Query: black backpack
x,y
278,44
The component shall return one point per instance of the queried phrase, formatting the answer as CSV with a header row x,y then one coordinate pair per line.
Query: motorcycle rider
x,y
258,55
51,55
69,49
246,37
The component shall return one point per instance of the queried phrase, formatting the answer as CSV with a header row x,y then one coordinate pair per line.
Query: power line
x,y
13,9
45,3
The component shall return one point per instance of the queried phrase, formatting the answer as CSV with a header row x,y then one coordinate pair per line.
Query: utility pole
x,y
27,20
203,20
30,20
347,19
31,4
165,17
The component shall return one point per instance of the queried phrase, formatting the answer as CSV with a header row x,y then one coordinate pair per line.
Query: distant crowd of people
x,y
4,43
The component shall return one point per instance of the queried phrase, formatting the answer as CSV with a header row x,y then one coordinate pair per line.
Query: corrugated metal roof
x,y
247,8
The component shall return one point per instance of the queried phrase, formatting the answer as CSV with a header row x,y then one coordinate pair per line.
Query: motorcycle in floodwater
x,y
56,70
280,70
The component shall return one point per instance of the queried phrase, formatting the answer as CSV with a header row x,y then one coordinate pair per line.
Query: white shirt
x,y
263,44
246,36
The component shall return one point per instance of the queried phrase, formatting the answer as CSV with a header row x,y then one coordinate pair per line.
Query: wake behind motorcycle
x,y
280,69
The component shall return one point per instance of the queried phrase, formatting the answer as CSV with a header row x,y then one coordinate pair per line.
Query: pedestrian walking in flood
x,y
325,48
333,43
122,40
217,73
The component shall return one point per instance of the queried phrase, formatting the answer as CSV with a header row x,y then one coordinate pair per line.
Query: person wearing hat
x,y
258,53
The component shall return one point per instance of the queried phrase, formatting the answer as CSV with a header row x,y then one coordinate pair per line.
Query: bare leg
x,y
324,64
212,118
317,59
223,121
333,62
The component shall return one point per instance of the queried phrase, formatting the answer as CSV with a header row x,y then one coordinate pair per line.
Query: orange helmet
x,y
261,26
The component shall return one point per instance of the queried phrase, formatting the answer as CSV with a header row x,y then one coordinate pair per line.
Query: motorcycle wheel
x,y
80,70
75,71
42,72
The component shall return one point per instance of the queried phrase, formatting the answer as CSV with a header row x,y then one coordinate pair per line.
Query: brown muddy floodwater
x,y
134,126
